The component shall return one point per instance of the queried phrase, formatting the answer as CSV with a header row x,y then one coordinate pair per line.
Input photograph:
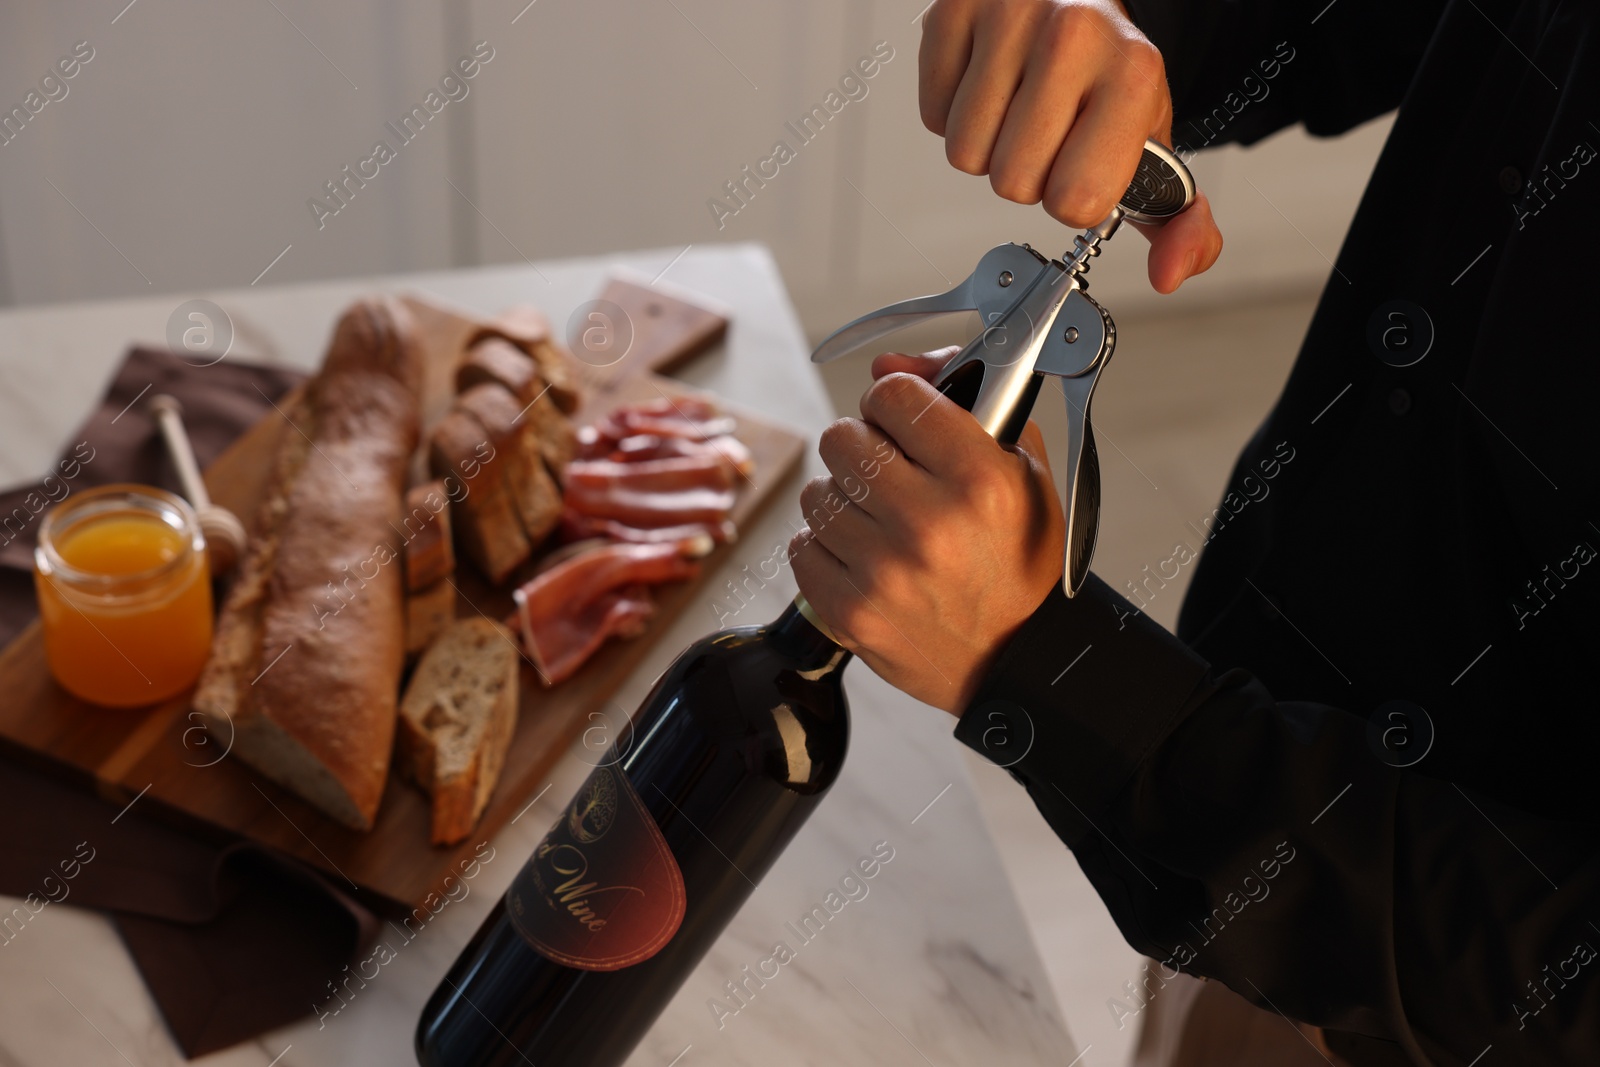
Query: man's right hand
x,y
1053,99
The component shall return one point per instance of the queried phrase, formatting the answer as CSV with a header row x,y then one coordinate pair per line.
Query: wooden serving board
x,y
162,756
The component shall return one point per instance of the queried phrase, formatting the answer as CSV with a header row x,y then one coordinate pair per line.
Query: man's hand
x,y
931,543
1053,99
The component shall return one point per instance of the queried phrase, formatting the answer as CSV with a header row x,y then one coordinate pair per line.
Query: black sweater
x,y
1357,785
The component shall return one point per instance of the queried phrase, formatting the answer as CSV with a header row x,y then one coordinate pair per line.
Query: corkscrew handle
x,y
1022,342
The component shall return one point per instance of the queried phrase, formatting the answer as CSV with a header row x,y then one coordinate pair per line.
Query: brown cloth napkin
x,y
231,939
220,402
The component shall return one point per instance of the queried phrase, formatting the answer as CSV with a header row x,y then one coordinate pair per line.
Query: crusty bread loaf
x,y
456,722
485,519
430,556
535,493
304,671
428,612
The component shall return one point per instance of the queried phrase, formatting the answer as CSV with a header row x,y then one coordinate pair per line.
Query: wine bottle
x,y
734,747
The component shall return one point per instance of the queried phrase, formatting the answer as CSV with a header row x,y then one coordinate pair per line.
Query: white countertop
x,y
934,965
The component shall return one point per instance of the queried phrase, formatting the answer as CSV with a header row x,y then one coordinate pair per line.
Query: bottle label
x,y
602,891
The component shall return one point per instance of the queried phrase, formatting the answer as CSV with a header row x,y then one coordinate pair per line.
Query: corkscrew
x,y
1038,321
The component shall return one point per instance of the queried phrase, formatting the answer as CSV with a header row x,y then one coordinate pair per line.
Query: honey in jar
x,y
124,595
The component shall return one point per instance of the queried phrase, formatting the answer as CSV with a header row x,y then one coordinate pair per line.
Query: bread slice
x,y
498,361
456,722
558,369
304,672
535,493
529,329
430,557
558,440
494,359
463,453
428,612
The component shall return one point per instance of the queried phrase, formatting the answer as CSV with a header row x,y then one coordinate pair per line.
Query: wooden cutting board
x,y
161,756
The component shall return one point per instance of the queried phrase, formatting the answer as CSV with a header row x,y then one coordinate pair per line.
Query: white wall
x,y
194,138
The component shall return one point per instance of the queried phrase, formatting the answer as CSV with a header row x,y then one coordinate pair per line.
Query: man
x,y
1355,786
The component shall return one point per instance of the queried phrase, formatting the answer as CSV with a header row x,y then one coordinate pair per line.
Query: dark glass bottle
x,y
732,750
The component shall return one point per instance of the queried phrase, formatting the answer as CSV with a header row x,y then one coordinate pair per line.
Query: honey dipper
x,y
224,533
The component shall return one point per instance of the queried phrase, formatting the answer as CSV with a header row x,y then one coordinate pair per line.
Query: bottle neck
x,y
800,634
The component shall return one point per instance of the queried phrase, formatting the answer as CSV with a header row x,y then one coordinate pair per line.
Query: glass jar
x,y
124,595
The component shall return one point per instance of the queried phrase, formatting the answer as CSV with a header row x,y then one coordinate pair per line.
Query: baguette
x,y
456,722
310,644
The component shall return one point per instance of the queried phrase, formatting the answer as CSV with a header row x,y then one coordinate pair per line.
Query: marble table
x,y
934,965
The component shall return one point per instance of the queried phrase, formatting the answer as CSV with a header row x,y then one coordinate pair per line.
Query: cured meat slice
x,y
684,407
648,446
673,425
566,642
648,508
592,444
652,475
688,417
575,526
567,612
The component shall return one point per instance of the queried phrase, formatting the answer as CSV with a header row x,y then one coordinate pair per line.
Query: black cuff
x,y
1080,696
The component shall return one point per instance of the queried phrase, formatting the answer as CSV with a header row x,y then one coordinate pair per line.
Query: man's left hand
x,y
931,543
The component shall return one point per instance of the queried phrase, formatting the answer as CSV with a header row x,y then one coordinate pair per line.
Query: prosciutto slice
x,y
648,508
567,612
652,475
593,444
660,471
690,418
673,425
567,641
647,446
576,526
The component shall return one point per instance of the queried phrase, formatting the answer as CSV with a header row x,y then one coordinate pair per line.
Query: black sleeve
x,y
1265,844
1242,69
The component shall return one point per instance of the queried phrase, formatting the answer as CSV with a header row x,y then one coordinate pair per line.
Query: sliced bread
x,y
456,722
534,492
529,329
430,558
428,612
494,359
498,361
478,466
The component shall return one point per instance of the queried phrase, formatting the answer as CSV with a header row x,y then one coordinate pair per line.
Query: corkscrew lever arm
x,y
990,290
